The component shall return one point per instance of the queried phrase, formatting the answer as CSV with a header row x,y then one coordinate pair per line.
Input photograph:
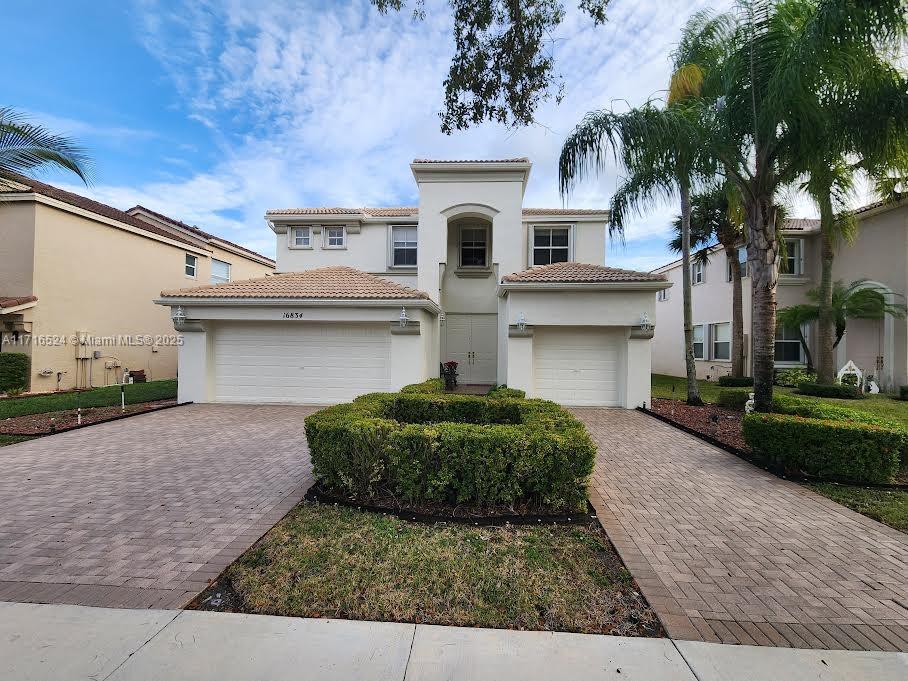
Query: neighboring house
x,y
77,278
369,299
878,347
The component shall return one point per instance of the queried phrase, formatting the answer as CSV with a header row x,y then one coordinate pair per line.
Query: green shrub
x,y
504,391
792,378
903,392
733,399
433,385
814,409
834,390
736,381
452,449
14,371
854,451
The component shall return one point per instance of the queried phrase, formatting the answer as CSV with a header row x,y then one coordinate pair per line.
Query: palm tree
x,y
713,219
860,300
26,147
759,104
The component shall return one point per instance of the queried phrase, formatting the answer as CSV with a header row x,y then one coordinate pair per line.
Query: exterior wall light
x,y
645,324
178,316
521,322
404,319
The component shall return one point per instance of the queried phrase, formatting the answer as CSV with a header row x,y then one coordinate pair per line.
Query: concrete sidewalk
x,y
64,642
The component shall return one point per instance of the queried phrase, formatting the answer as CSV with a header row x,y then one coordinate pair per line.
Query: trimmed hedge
x,y
812,409
736,381
733,399
505,391
452,449
791,378
433,385
834,390
14,371
847,450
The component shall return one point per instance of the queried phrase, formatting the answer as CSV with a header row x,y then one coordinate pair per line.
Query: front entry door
x,y
472,342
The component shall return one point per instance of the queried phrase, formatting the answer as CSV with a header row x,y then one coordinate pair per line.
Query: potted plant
x,y
449,373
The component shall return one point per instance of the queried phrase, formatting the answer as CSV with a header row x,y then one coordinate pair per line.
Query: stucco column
x,y
637,384
407,355
520,360
193,356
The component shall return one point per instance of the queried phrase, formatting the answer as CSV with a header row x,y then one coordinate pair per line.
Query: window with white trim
x,y
788,345
698,342
720,338
551,245
742,261
473,246
662,295
696,273
794,257
335,237
403,246
220,271
301,237
192,265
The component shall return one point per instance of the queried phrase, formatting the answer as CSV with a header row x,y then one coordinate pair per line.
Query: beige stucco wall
x,y
240,267
17,241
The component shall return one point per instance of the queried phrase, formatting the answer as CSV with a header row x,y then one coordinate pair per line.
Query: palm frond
x,y
25,147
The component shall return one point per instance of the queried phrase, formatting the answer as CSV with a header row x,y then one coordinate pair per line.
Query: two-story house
x,y
77,280
878,255
369,299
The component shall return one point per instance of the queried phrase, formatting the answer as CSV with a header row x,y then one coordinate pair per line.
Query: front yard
x,y
326,561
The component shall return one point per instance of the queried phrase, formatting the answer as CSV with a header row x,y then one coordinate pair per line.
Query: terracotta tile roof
x,y
90,205
521,159
565,211
13,301
194,230
407,211
579,273
801,224
342,283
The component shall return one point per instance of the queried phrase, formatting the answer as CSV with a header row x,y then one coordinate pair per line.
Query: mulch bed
x,y
722,424
59,421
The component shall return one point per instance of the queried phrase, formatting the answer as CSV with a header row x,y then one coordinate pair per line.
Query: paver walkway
x,y
727,552
143,512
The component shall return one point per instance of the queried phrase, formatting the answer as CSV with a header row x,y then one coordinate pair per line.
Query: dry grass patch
x,y
324,561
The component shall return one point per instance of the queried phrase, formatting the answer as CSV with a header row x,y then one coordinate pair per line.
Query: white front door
x,y
304,363
472,342
579,365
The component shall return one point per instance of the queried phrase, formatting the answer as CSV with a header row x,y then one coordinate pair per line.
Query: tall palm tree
x,y
759,104
26,147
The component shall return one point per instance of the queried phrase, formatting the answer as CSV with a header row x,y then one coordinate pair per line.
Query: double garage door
x,y
303,363
579,365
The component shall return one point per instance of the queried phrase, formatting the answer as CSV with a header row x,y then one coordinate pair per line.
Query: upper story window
x,y
788,345
696,273
220,271
721,340
551,245
403,246
794,257
662,295
742,261
473,246
192,265
335,237
698,342
301,237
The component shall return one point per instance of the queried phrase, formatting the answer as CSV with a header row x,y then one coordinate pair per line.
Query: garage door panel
x,y
578,365
303,363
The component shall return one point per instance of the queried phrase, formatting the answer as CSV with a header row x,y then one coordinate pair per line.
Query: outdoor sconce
x,y
645,324
521,322
404,319
178,316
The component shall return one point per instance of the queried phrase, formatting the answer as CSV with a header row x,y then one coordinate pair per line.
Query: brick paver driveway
x,y
143,512
727,552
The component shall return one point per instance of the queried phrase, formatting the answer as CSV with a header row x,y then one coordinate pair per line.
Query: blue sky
x,y
212,112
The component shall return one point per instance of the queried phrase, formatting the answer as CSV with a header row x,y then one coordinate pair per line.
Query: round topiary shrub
x,y
452,449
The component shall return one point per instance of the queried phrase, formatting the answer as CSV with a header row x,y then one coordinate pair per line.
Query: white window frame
x,y
702,341
788,362
220,280
392,245
485,230
306,236
326,231
662,295
742,250
531,242
191,262
713,340
797,257
697,273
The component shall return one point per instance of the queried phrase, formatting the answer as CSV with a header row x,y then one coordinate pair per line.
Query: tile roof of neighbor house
x,y
195,230
14,301
520,159
406,211
334,282
96,207
579,273
801,224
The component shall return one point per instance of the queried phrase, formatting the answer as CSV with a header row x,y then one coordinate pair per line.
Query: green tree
x,y
26,147
503,65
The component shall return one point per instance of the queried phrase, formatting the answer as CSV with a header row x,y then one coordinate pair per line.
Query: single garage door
x,y
305,363
579,365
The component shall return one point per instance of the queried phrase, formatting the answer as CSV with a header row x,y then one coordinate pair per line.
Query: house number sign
x,y
292,315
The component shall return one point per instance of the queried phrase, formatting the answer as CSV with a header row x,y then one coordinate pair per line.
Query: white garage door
x,y
305,363
578,365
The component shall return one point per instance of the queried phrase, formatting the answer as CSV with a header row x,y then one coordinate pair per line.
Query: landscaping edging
x,y
579,518
759,463
95,423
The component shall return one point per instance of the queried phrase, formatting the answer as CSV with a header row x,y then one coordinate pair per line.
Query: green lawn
x,y
327,561
880,405
887,506
11,439
99,397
